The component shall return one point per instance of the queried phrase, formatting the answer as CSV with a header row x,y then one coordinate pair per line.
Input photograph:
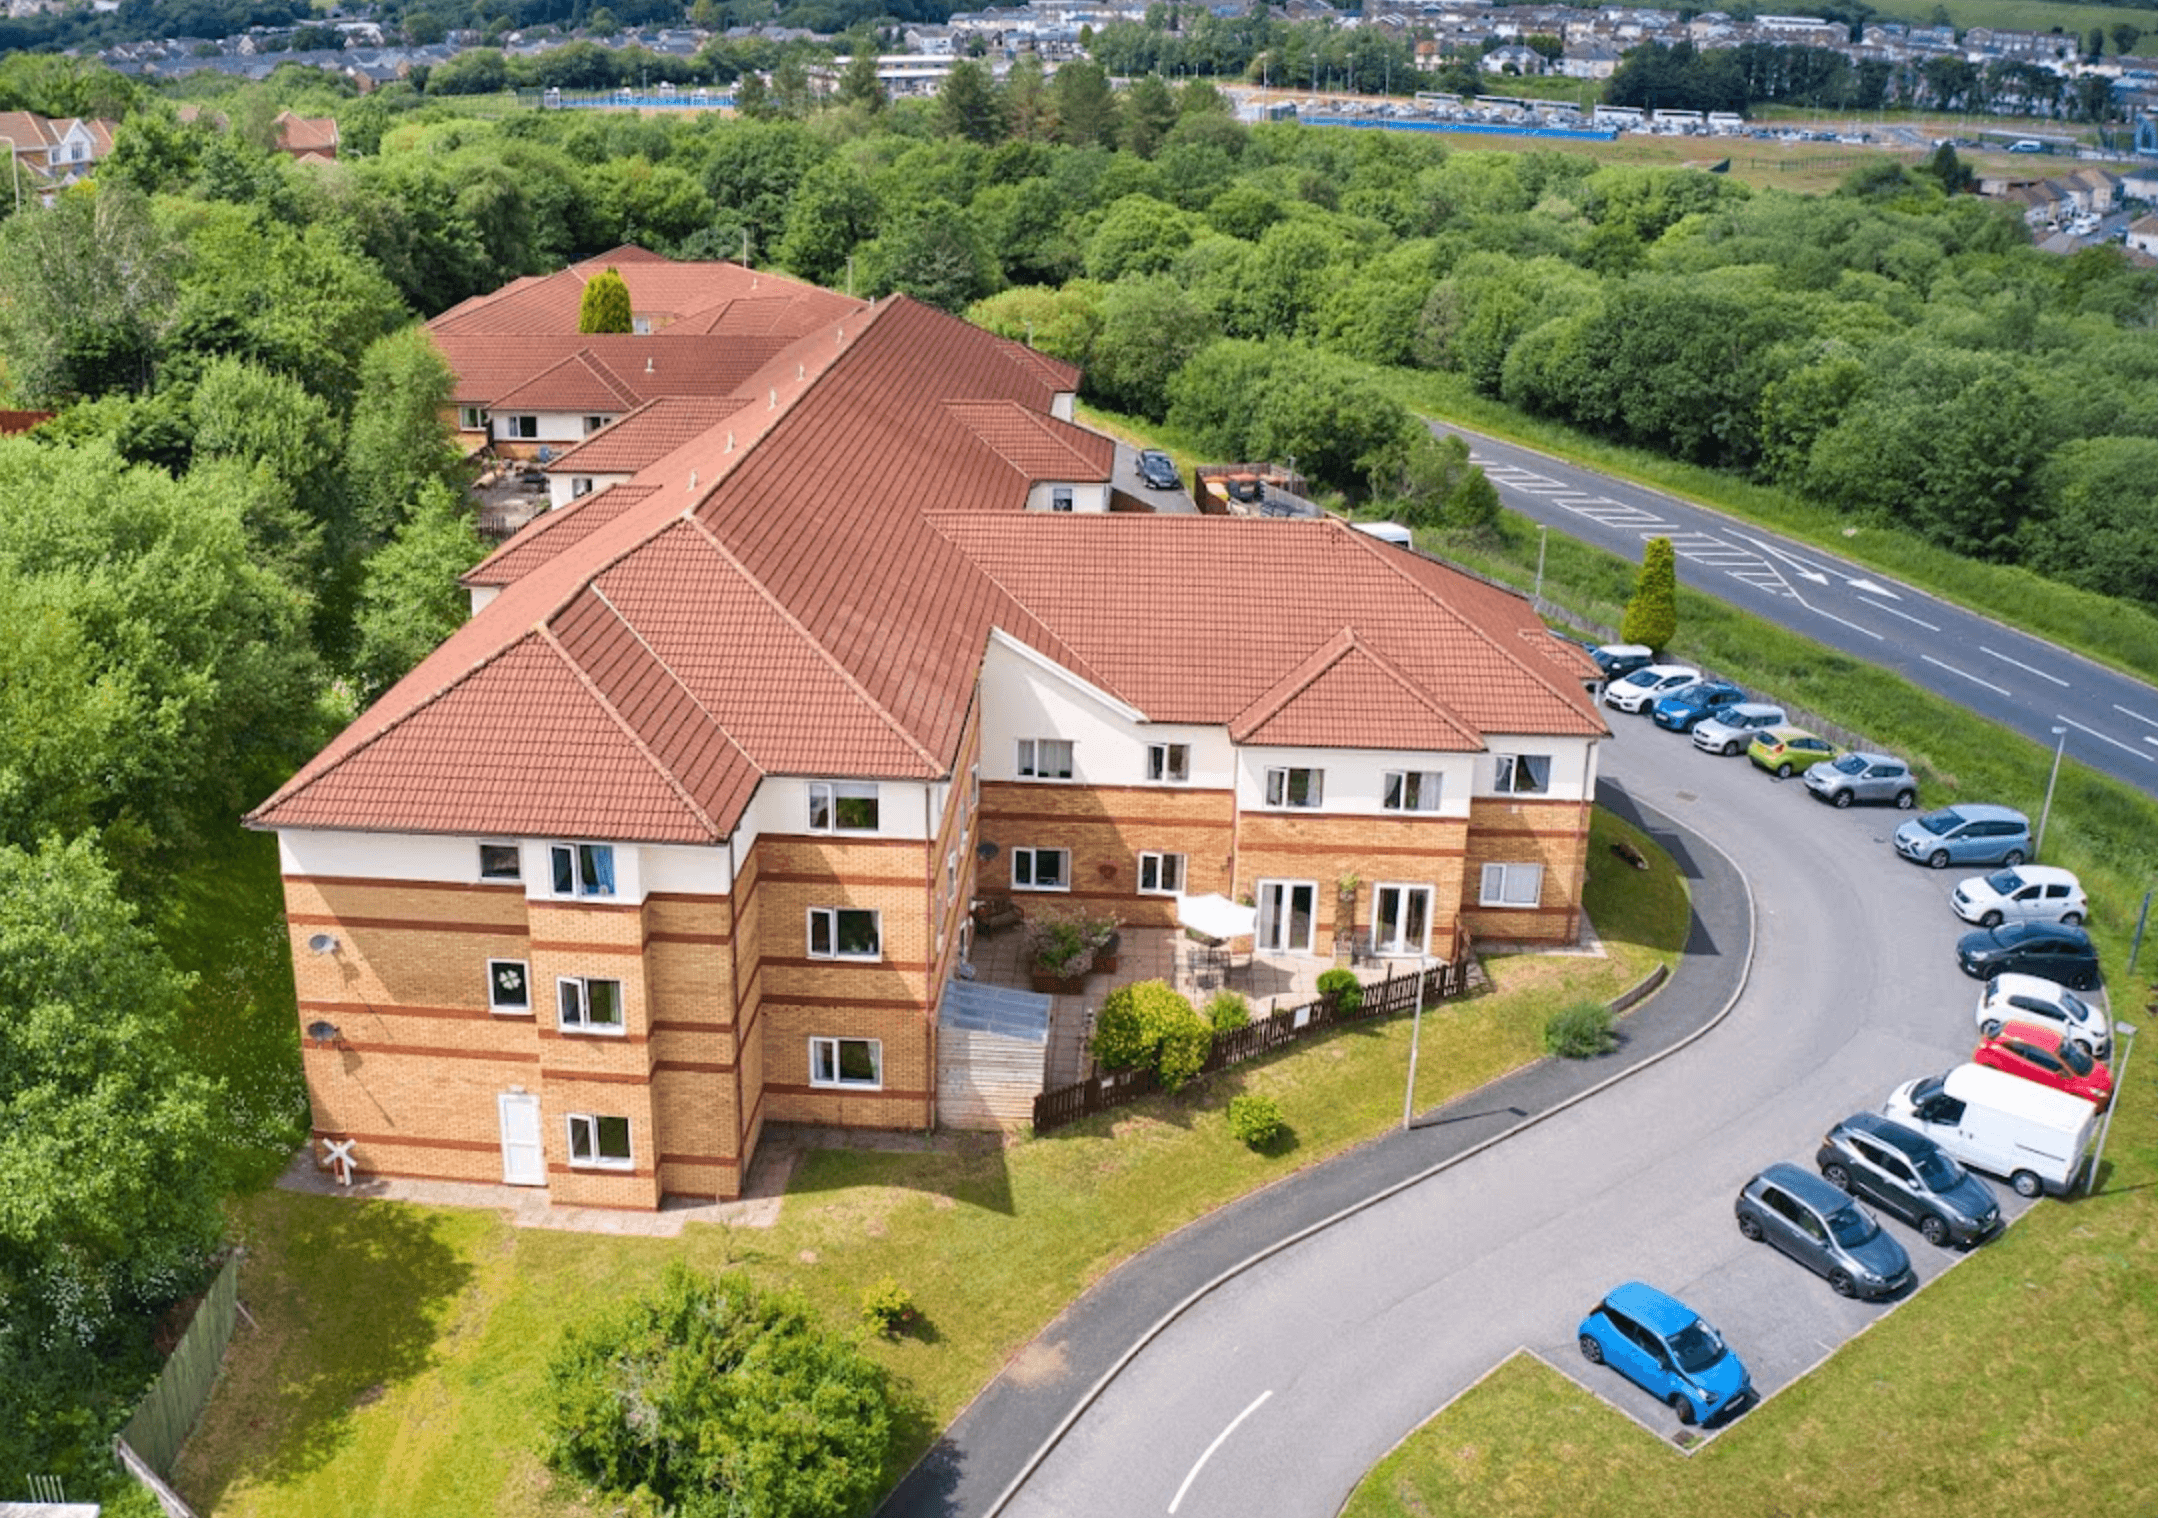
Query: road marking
x,y
1877,606
1817,611
1975,680
1870,588
2041,674
2125,748
1192,1474
2147,721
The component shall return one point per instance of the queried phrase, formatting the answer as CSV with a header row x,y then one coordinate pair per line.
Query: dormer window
x,y
1060,498
842,806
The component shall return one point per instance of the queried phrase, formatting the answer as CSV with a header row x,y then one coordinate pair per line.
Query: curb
x,y
1160,1325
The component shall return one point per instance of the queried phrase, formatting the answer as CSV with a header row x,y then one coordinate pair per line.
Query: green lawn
x,y
399,1359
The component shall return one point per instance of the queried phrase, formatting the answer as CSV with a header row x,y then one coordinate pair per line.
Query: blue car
x,y
1684,708
1667,1349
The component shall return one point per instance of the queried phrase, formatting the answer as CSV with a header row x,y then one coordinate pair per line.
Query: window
x,y
1295,787
501,861
509,987
594,423
951,875
1161,874
580,484
471,418
1170,762
593,1006
583,869
974,789
846,1062
842,806
520,426
1412,791
1523,774
1511,885
601,1142
1060,498
845,933
1400,919
1042,869
1045,759
641,325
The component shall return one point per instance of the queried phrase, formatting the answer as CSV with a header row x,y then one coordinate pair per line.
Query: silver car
x,y
1864,777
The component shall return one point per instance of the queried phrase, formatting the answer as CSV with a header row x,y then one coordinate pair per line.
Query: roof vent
x,y
801,372
773,404
693,479
730,442
842,337
648,363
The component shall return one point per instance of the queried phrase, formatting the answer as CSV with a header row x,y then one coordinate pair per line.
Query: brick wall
x,y
1526,831
1399,850
1106,828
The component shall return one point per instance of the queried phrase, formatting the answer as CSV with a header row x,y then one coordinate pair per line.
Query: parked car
x,y
1784,751
1824,1230
2031,948
1860,776
1668,1350
1642,689
1683,708
2037,1138
2043,1053
1967,833
1732,728
1158,470
2022,893
1617,659
2014,997
1906,1172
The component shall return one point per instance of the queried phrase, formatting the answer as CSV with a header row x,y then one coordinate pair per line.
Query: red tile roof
x,y
551,532
1039,447
1349,696
660,290
646,435
576,383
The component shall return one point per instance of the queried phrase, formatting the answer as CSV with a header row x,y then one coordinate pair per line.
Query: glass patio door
x,y
1288,910
1400,919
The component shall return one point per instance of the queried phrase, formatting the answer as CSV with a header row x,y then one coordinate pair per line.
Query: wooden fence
x,y
1385,998
167,1414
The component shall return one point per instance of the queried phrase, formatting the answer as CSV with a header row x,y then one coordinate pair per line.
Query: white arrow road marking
x,y
1192,1474
1922,622
1870,588
2102,738
2041,674
2148,721
1966,674
1805,570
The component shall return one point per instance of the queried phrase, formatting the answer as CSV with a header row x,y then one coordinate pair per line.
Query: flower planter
x,y
1059,985
1105,956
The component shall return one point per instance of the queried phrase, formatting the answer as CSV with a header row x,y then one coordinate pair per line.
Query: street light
x,y
2126,1032
1543,536
2060,736
1416,1031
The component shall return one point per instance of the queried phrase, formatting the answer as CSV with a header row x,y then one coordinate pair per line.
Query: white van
x,y
2037,1137
1387,532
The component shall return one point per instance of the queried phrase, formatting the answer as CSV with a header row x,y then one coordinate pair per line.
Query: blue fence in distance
x,y
1479,128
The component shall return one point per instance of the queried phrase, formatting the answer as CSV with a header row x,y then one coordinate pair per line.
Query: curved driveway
x,y
1276,1394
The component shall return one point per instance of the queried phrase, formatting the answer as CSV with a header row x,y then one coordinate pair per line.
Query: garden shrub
x,y
1342,988
887,1306
1227,1011
1256,1120
1148,1023
717,1399
1580,1031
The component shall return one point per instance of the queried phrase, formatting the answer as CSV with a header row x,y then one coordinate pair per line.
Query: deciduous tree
x,y
409,596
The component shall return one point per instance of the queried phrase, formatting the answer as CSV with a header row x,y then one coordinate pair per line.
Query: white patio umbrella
x,y
1216,916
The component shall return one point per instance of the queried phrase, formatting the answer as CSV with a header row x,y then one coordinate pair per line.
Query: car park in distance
x,y
2022,893
1731,729
1784,751
1967,833
1643,688
2043,1053
1616,659
2016,998
2046,949
1158,470
1906,1172
1859,776
1667,1349
1824,1230
1689,705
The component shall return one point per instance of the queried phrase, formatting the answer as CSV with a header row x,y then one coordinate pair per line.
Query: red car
x,y
2041,1054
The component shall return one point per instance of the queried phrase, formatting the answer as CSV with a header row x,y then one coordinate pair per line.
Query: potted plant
x,y
1064,947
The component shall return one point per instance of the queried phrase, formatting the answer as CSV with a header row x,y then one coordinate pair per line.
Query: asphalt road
x,y
2022,682
1276,1394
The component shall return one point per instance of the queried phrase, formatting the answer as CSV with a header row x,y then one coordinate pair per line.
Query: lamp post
x,y
1416,1032
1543,536
2126,1033
2060,742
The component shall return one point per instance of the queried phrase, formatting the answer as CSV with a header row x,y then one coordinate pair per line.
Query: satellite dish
x,y
322,943
985,851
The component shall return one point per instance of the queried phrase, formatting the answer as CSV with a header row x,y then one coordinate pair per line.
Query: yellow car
x,y
1784,751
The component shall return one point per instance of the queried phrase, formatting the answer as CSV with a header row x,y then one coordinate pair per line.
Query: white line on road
x,y
2102,738
1975,680
1192,1474
1869,632
1922,622
2041,674
2147,721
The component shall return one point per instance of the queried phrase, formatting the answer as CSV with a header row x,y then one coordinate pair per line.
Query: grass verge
x,y
401,1354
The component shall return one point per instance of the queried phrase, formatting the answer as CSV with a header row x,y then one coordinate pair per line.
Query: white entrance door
x,y
524,1160
1287,913
1400,919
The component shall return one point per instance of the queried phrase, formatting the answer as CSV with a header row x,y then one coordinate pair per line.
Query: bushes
x,y
1256,1120
887,1306
1580,1031
1227,1011
1342,988
1152,1025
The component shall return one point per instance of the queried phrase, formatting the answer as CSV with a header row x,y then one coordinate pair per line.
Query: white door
x,y
1400,919
524,1160
1287,913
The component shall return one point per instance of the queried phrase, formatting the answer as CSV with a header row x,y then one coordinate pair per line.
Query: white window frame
x,y
516,871
1286,891
582,1021
1168,763
1155,862
1507,771
1033,756
1278,786
1497,886
1032,856
523,426
592,424
825,797
582,880
1397,946
588,1124
832,916
1062,498
1429,785
837,1079
495,1003
579,485
472,418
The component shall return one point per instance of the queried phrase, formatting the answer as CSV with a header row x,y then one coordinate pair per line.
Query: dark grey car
x,y
1824,1230
1881,1160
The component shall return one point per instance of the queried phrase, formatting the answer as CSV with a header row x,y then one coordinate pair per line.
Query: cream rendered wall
x,y
1024,695
1573,764
1086,497
1355,783
481,595
781,805
559,493
554,426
